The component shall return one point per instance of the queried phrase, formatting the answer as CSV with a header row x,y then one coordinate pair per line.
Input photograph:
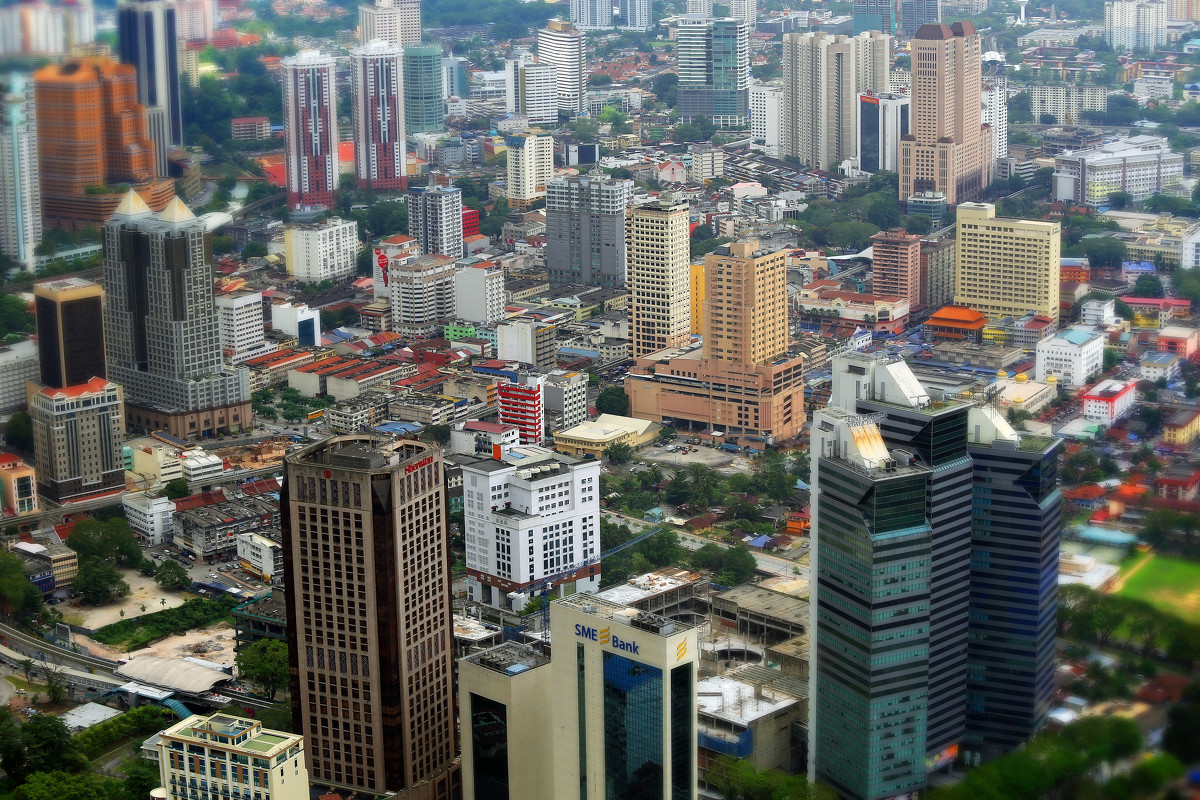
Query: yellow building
x,y
1182,428
18,485
226,753
1007,267
697,282
590,438
659,275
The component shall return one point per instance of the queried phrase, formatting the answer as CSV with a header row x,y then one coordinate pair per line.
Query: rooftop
x,y
607,609
765,602
650,584
738,701
510,658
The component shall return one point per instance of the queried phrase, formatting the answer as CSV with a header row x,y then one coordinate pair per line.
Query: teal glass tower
x,y
424,110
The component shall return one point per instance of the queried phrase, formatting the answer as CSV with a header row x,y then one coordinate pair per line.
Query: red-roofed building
x,y
1086,496
881,313
1178,483
470,222
956,323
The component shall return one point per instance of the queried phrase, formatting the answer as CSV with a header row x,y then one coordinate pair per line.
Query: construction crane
x,y
544,586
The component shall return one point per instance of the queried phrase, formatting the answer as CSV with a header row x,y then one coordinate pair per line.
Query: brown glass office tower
x,y
70,324
369,615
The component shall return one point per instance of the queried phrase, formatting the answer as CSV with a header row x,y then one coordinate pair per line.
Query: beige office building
x,y
896,265
225,754
530,167
659,275
948,149
1007,267
78,433
822,76
396,22
370,634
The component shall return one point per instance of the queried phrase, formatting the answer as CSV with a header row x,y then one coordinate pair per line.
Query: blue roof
x,y
758,541
1077,336
1092,533
398,427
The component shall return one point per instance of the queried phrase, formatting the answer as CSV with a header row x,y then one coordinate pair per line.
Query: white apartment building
x,y
240,317
228,752
530,167
1135,24
560,44
200,467
531,88
565,395
422,295
394,21
18,365
1156,366
993,96
746,11
636,15
531,515
592,15
1066,101
1139,165
708,160
261,555
1109,401
766,116
435,219
479,292
1095,313
297,319
1071,356
20,183
321,252
150,516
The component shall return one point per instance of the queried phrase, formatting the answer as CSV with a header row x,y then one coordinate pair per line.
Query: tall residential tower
x,y
310,129
376,78
714,70
147,40
397,22
659,307
20,182
560,44
585,230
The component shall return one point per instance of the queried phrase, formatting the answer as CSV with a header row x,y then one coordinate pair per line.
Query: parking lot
x,y
228,573
711,457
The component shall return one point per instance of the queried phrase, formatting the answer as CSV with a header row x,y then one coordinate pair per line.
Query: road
x,y
766,563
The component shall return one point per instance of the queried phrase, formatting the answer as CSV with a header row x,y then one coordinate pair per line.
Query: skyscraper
x,y
368,606
376,78
560,44
20,183
161,334
147,39
659,307
714,70
397,22
896,265
585,230
635,15
530,167
1135,24
435,219
310,129
949,149
822,77
531,88
78,436
424,109
883,118
993,96
1006,266
592,15
70,326
43,28
75,101
874,15
746,11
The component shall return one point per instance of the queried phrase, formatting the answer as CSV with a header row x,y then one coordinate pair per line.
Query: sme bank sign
x,y
606,638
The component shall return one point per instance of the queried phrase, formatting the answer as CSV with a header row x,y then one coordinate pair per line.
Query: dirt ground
x,y
214,643
143,592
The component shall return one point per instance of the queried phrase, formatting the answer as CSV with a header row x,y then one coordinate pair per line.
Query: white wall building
x,y
1072,356
261,555
321,252
479,292
530,167
297,319
527,518
201,468
1140,165
766,109
394,21
1066,101
1155,366
18,364
560,44
1135,24
636,15
566,397
746,11
592,15
1109,401
993,96
150,516
20,182
531,88
422,295
1097,312
475,437
435,219
240,316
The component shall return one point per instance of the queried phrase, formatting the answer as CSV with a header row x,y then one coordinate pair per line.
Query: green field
x,y
1169,584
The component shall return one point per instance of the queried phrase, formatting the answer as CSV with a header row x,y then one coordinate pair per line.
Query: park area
x,y
1171,585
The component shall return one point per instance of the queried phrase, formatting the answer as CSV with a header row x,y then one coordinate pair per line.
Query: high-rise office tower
x,y
310,129
424,109
78,436
915,13
658,275
1135,24
531,88
822,77
949,149
896,265
585,230
20,183
746,11
1006,266
895,19
560,44
592,15
147,39
766,117
624,690
530,167
371,641
908,513
376,79
1014,600
993,96
75,101
397,22
161,334
70,326
195,20
635,15
883,118
454,76
714,70
44,28
435,219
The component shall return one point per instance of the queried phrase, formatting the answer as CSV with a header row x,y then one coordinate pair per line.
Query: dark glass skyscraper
x,y
894,17
147,39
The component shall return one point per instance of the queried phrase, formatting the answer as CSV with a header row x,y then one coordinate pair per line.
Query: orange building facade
x,y
91,136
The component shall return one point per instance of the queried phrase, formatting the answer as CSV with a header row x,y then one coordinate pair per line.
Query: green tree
x,y
1104,252
48,745
254,250
1182,736
709,556
18,597
1119,200
440,434
110,539
171,576
618,452
1111,359
175,489
704,231
918,224
100,583
1148,286
18,432
15,315
612,400
58,784
264,663
1149,776
885,213
737,567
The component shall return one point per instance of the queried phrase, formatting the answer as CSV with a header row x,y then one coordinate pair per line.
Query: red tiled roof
x,y
94,385
957,314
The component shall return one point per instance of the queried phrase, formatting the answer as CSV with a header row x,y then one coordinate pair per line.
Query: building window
x,y
489,739
633,728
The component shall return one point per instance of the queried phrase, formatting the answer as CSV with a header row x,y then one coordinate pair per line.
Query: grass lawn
x,y
1128,564
1169,584
20,683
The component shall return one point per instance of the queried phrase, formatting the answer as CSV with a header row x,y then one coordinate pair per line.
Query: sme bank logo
x,y
605,637
681,650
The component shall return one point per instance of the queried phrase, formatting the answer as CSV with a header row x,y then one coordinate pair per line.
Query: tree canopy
x,y
612,400
265,664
